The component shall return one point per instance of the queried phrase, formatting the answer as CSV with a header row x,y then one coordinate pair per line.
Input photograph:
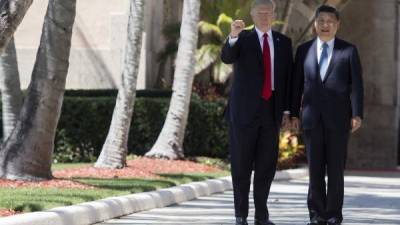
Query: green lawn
x,y
61,166
37,199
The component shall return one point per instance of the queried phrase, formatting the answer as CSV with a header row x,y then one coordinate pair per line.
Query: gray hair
x,y
262,2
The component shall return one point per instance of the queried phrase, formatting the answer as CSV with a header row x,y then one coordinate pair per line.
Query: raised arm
x,y
230,51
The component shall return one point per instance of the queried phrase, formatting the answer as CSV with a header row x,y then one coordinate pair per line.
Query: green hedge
x,y
85,121
114,92
86,117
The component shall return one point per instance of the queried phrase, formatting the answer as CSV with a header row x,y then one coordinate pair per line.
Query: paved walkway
x,y
369,199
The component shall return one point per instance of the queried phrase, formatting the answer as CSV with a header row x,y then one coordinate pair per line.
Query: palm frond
x,y
244,10
209,29
224,23
278,22
221,72
206,56
251,26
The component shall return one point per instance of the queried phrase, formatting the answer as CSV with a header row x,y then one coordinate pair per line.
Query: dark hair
x,y
327,9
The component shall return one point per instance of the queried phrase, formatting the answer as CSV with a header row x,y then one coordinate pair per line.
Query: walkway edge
x,y
98,211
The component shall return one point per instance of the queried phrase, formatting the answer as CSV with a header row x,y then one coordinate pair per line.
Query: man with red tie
x,y
259,97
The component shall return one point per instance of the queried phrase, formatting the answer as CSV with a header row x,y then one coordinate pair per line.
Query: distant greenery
x,y
214,28
291,150
84,124
38,199
62,166
85,121
222,164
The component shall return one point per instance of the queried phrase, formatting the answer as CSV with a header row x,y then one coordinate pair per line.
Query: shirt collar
x,y
330,43
260,34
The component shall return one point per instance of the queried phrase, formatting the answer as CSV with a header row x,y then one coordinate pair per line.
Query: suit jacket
x,y
245,94
335,99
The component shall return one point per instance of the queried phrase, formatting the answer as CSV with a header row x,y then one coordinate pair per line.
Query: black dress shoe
x,y
316,222
263,222
241,221
334,221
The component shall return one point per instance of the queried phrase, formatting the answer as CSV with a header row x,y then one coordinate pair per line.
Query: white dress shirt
x,y
330,49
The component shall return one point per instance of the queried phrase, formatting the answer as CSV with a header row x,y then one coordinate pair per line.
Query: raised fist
x,y
236,27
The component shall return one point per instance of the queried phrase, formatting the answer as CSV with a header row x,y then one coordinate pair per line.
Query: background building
x,y
98,41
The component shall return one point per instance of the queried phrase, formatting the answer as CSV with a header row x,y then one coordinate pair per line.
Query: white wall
x,y
98,41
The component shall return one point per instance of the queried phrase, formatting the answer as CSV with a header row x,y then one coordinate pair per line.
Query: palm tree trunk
x,y
27,154
11,94
115,148
170,140
11,14
286,15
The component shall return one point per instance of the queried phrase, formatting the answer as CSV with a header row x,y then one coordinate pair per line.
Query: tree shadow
x,y
133,185
31,207
186,177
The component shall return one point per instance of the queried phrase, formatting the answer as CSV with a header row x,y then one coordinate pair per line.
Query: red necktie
x,y
267,89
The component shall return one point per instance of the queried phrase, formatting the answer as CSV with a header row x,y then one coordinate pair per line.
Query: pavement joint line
x,y
114,207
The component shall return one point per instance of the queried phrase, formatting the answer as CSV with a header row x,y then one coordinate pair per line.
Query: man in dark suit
x,y
259,96
327,84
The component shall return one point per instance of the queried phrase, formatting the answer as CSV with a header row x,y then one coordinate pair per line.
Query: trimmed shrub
x,y
86,117
85,121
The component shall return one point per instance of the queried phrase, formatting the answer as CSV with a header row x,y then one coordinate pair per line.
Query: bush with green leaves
x,y
86,117
84,124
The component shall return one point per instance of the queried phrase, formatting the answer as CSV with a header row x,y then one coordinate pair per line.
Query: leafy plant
x,y
290,151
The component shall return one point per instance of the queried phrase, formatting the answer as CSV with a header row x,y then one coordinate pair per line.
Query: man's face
x,y
326,26
263,16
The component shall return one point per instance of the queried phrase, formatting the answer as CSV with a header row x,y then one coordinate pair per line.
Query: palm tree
x,y
212,37
216,17
286,15
11,93
170,140
11,14
211,9
27,153
115,148
213,33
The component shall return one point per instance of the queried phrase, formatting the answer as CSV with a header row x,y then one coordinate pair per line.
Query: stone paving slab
x,y
370,198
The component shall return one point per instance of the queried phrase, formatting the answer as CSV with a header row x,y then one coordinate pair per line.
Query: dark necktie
x,y
267,89
323,61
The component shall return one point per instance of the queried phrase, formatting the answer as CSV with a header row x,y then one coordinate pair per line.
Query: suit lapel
x,y
333,59
311,62
256,41
276,40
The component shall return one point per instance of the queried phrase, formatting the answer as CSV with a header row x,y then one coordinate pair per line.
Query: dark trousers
x,y
254,147
326,153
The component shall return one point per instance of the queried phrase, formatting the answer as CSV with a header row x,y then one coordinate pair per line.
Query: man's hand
x,y
236,27
285,122
355,123
295,124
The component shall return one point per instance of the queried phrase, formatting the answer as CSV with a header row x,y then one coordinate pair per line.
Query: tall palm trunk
x,y
11,14
11,94
27,154
115,148
170,141
286,16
